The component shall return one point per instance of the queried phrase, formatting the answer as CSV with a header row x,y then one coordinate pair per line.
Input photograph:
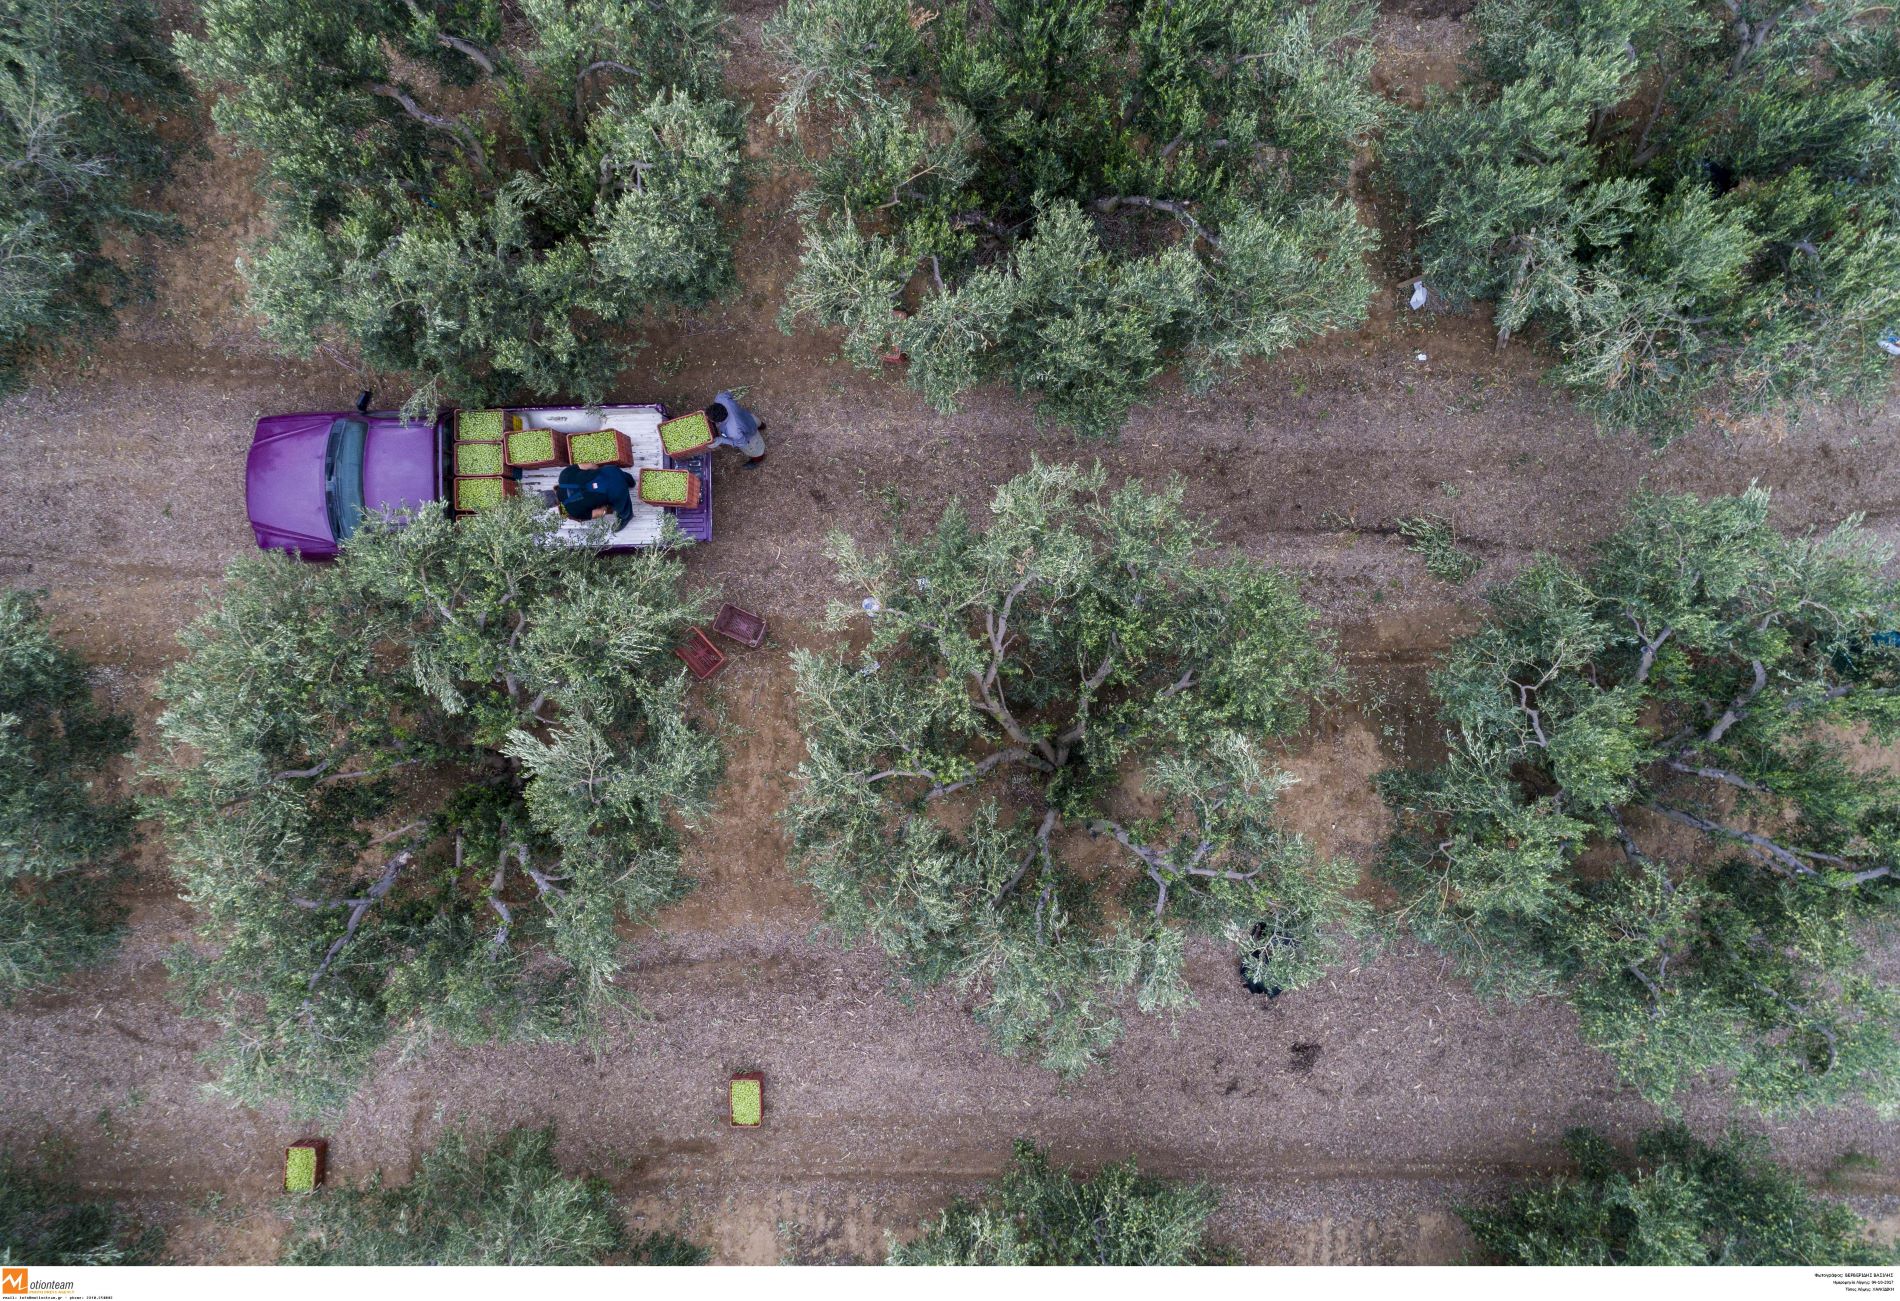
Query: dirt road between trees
x,y
1342,1123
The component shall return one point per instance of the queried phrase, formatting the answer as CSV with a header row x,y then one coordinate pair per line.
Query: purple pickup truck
x,y
311,478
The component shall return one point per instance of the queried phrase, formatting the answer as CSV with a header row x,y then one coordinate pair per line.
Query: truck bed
x,y
641,425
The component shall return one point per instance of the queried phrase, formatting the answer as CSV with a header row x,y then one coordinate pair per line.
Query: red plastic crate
x,y
507,489
756,1078
678,423
702,657
623,449
322,1149
742,626
557,454
692,490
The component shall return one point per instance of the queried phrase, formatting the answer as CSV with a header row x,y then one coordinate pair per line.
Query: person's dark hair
x,y
716,412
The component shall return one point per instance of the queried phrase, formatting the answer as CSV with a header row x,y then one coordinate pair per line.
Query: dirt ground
x,y
1342,1123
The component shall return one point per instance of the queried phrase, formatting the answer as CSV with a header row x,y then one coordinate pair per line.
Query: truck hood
x,y
283,476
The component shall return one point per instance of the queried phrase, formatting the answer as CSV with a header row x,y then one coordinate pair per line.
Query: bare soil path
x,y
1342,1123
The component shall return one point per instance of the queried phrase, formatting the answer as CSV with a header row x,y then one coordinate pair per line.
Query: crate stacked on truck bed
x,y
669,487
480,471
535,449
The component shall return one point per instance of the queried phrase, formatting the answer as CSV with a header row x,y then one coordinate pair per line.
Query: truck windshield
x,y
343,475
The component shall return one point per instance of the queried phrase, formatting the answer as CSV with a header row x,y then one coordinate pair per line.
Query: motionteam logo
x,y
14,1282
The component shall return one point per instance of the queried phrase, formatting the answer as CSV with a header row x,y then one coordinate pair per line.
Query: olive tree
x,y
1697,206
421,790
1036,1215
1678,1202
62,843
1053,760
82,85
483,205
1071,198
46,1220
477,1201
1666,796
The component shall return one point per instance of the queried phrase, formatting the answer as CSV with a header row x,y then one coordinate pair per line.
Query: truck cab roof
x,y
311,475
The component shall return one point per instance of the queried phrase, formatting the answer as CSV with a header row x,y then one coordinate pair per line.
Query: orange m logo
x,y
13,1280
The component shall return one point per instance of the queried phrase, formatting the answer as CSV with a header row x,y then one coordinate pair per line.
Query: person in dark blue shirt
x,y
591,491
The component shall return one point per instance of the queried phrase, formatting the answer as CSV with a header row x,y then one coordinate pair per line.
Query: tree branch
x,y
1152,858
506,913
544,885
1655,994
457,129
1761,844
993,703
1650,647
1084,698
1176,687
456,43
1643,153
469,48
868,778
1042,901
1815,1023
358,908
600,65
1720,775
297,774
1041,851
983,767
388,836
1221,876
1739,706
369,772
1175,207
